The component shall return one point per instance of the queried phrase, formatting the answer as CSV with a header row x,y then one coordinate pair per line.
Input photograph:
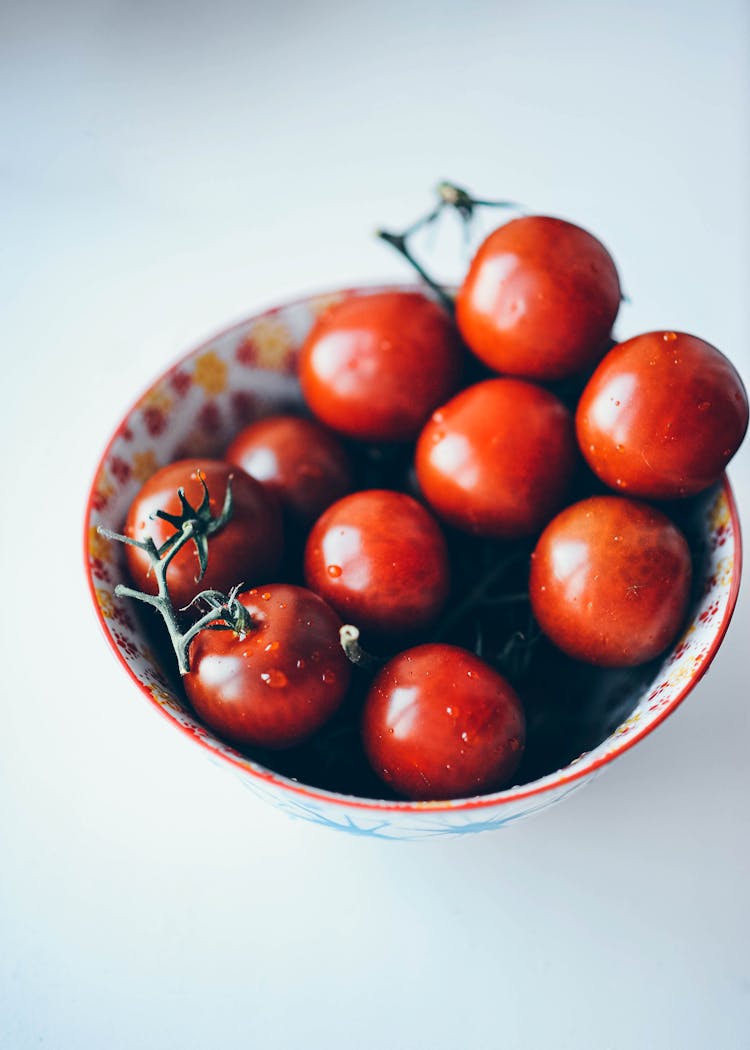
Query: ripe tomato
x,y
281,682
246,549
298,459
440,723
381,561
539,299
662,415
498,459
610,581
375,366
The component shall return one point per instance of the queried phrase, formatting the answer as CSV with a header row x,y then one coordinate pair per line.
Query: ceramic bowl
x,y
248,371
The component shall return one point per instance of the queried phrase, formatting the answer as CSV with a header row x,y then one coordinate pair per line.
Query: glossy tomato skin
x,y
279,684
610,581
374,366
539,299
497,460
304,464
246,549
380,559
662,415
440,723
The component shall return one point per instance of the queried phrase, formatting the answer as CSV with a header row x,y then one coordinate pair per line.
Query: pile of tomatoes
x,y
474,494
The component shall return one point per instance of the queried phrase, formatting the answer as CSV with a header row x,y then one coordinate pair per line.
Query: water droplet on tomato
x,y
437,436
315,656
465,737
619,447
704,406
669,337
438,417
514,744
329,677
271,647
472,674
274,678
334,571
300,664
266,596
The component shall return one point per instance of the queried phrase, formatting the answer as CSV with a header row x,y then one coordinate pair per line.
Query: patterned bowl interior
x,y
194,409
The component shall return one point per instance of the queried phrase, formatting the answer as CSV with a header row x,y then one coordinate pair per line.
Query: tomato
x,y
246,549
497,460
662,415
374,366
381,561
440,723
298,459
281,682
610,581
539,299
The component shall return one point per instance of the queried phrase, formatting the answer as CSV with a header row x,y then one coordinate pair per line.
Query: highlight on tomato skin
x,y
381,560
278,684
246,549
440,723
298,459
610,581
498,459
539,299
375,366
662,416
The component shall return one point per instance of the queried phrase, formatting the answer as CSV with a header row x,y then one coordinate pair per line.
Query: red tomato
x,y
298,459
440,723
281,682
498,459
610,581
375,366
540,299
381,561
245,550
662,416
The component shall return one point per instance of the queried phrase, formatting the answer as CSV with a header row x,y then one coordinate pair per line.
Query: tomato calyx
x,y
449,195
193,525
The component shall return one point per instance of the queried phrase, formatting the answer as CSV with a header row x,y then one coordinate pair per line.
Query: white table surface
x,y
167,168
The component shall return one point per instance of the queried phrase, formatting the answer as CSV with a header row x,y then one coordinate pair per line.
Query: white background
x,y
165,169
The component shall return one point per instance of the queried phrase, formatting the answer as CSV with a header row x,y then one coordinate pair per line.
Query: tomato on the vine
x,y
498,458
245,550
374,366
539,299
662,415
380,559
610,581
440,723
278,683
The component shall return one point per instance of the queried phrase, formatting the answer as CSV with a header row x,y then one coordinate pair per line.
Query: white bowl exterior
x,y
195,409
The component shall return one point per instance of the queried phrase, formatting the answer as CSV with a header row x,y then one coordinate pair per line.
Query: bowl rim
x,y
576,771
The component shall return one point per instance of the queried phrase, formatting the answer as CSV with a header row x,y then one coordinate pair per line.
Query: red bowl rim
x,y
550,782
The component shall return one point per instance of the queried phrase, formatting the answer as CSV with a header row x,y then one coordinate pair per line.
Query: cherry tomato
x,y
375,366
440,723
662,415
279,683
381,561
246,549
298,459
539,299
610,581
498,459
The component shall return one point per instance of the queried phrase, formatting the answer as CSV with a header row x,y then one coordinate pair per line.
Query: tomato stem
x,y
449,196
193,524
349,638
